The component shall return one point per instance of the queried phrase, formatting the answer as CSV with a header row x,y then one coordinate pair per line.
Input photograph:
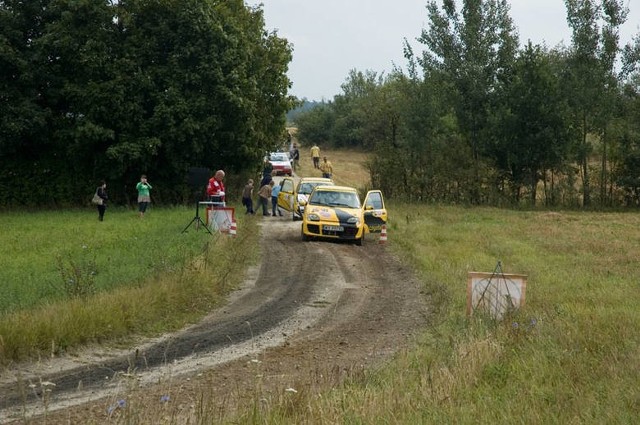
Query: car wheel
x,y
305,238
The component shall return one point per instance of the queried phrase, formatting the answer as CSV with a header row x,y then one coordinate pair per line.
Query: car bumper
x,y
281,172
327,230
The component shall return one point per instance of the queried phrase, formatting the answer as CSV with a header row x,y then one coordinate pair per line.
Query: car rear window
x,y
279,157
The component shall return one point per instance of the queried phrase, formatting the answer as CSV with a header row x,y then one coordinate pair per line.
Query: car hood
x,y
339,214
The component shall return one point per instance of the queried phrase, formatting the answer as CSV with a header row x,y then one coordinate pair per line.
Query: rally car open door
x,y
375,214
286,197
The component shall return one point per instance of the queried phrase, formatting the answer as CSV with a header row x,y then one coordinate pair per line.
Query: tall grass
x,y
121,250
146,276
571,355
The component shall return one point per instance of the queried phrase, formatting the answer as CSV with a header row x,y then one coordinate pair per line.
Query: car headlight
x,y
353,220
313,217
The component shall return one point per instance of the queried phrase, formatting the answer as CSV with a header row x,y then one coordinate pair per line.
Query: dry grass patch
x,y
349,167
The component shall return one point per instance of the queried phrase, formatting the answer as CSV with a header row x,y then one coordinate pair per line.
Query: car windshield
x,y
279,157
335,199
307,188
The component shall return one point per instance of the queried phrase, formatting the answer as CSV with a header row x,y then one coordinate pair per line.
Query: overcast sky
x,y
332,37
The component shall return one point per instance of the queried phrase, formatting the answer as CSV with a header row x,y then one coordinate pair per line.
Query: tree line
x,y
477,119
113,89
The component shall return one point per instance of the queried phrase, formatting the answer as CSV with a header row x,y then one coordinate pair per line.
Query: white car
x,y
281,163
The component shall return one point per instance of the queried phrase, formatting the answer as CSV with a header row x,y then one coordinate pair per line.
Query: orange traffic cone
x,y
383,234
232,229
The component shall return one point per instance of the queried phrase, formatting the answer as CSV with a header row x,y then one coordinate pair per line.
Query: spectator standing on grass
x,y
215,188
274,200
326,168
144,196
101,191
264,195
315,156
247,196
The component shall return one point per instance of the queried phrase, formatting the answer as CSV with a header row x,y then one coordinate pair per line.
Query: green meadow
x,y
570,355
68,279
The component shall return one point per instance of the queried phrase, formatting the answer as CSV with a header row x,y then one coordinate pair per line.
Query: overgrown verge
x,y
164,302
568,356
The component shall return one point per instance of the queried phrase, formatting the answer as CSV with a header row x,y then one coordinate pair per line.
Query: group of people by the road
x,y
267,194
267,191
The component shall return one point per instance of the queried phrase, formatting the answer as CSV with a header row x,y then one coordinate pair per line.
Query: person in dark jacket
x,y
266,173
101,191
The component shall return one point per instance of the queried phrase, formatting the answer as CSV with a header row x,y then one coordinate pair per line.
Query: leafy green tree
x,y
315,125
415,162
363,110
210,88
474,50
114,89
626,173
531,124
591,80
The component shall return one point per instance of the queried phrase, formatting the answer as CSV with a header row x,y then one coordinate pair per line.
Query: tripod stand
x,y
197,220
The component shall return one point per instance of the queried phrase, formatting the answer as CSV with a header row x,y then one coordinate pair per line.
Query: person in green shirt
x,y
144,197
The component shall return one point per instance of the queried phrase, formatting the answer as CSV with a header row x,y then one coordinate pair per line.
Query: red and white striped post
x,y
383,235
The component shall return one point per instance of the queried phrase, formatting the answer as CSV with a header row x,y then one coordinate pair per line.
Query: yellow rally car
x,y
293,197
335,212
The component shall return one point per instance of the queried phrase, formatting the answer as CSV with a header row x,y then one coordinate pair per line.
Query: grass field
x,y
119,251
571,355
69,279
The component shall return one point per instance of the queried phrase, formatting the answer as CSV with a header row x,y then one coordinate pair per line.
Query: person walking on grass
x,y
101,191
274,200
315,156
144,196
326,168
264,195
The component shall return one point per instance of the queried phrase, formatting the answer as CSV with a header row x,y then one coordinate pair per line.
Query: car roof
x,y
336,188
316,180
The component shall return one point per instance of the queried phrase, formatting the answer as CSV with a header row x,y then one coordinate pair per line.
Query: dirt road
x,y
311,313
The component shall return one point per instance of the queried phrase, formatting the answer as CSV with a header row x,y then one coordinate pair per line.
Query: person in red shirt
x,y
215,188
